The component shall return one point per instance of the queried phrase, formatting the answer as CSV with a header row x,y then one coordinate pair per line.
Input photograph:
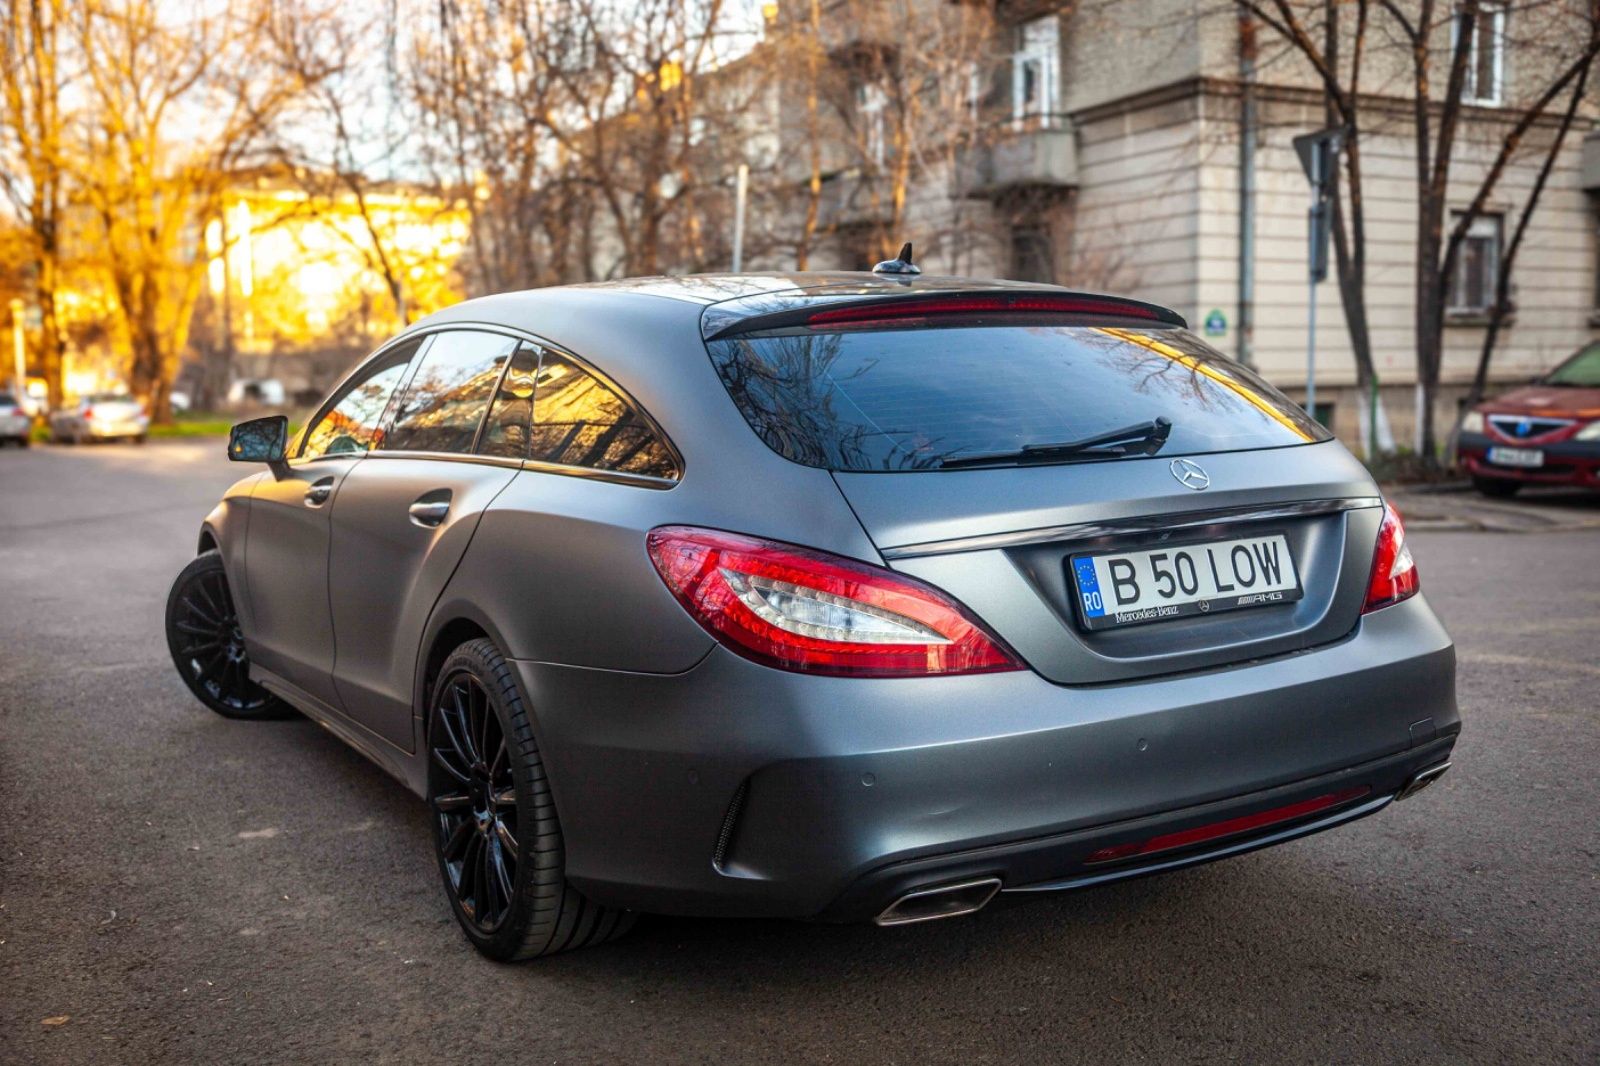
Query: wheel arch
x,y
208,540
453,624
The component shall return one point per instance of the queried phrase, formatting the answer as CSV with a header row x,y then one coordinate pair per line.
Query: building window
x,y
1036,73
1032,254
872,103
1486,56
1477,267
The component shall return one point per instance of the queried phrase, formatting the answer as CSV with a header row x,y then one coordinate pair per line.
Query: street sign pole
x,y
20,366
1319,155
741,193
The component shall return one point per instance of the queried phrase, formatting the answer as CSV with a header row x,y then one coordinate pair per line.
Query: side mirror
x,y
260,440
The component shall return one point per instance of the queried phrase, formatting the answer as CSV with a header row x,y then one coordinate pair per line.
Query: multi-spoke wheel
x,y
498,841
477,802
207,646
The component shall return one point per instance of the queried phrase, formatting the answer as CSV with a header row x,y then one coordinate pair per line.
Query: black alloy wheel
x,y
207,644
496,836
476,803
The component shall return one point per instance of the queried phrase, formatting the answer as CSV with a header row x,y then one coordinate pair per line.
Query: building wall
x,y
1150,91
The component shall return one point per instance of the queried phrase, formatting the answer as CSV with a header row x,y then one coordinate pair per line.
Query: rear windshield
x,y
909,399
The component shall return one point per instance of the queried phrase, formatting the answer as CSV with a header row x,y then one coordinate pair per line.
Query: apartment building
x,y
1105,145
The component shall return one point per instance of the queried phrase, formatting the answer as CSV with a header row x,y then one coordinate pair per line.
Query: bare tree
x,y
1437,125
1566,38
329,141
479,81
650,122
32,164
173,106
1341,88
1502,305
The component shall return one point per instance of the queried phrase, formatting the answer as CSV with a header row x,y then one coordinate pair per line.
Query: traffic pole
x,y
18,353
741,190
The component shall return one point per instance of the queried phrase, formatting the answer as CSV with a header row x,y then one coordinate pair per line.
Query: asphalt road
x,y
186,889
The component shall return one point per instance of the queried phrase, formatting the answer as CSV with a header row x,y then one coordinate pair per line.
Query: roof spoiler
x,y
900,308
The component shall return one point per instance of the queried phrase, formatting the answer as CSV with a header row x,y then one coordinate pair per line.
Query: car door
x,y
288,629
405,514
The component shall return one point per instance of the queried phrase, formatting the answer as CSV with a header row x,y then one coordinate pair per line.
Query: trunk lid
x,y
1001,540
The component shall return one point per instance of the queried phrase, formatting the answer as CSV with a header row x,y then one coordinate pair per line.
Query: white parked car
x,y
15,420
101,416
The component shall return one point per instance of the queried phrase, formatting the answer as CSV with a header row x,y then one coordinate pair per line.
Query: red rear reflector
x,y
1200,834
900,310
805,610
1394,572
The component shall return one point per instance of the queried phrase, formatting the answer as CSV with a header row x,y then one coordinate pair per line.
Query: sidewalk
x,y
1457,506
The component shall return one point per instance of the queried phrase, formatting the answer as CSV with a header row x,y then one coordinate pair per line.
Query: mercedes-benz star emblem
x,y
1190,474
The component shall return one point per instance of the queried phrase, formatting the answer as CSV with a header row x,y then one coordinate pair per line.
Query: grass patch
x,y
211,427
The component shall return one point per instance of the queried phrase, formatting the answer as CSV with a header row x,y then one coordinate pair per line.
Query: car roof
x,y
722,300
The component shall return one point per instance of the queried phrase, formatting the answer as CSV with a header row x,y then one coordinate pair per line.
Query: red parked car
x,y
1547,433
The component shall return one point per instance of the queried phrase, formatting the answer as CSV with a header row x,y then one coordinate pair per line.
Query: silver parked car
x,y
102,416
855,596
16,424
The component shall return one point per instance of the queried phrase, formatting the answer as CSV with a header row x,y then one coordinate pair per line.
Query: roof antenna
x,y
900,264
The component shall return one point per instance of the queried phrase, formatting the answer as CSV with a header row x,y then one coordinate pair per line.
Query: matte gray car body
x,y
689,779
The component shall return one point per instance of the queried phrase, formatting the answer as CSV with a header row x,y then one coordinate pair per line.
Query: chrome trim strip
x,y
1125,526
621,477
454,457
1555,423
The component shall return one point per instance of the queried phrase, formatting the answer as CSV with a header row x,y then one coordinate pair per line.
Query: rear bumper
x,y
14,426
1569,462
737,789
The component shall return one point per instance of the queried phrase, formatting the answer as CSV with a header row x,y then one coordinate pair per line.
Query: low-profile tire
x,y
138,438
1497,487
496,836
208,648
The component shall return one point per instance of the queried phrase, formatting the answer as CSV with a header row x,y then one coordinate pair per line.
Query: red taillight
x,y
799,609
1201,834
901,310
88,412
1394,572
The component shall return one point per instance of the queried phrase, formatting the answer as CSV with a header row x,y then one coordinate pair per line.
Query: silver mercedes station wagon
x,y
855,596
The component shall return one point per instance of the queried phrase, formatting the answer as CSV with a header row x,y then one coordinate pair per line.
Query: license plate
x,y
1133,587
1516,456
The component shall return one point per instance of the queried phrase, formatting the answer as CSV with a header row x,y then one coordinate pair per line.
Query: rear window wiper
x,y
1141,438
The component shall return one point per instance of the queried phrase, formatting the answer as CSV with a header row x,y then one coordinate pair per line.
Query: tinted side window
x,y
578,420
352,423
506,432
449,393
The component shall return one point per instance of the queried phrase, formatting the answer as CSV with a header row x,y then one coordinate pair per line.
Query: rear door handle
x,y
318,493
429,513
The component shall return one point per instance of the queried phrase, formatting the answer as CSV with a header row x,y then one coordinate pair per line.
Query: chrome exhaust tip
x,y
940,901
1422,780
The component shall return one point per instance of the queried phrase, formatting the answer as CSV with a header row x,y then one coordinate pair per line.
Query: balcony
x,y
1014,160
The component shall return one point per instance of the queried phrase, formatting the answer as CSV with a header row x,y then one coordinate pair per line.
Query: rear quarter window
x,y
908,399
